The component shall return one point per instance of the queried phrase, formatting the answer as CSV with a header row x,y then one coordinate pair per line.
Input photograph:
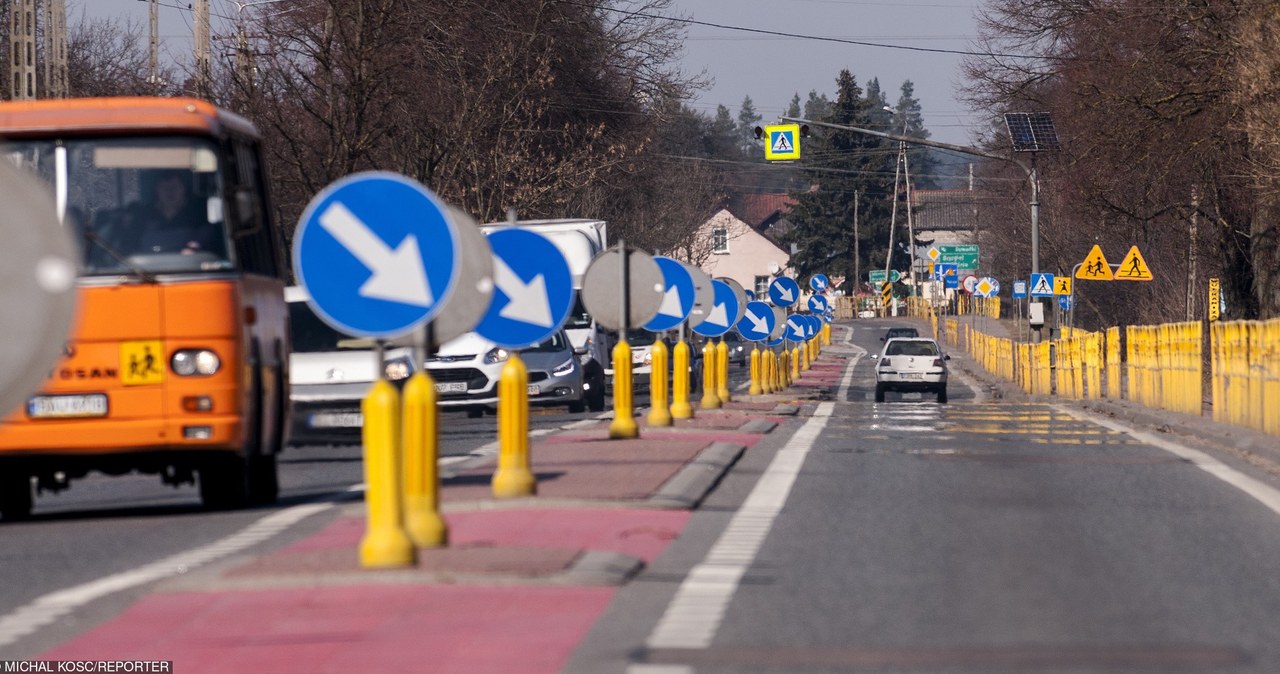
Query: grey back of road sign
x,y
37,285
704,296
602,288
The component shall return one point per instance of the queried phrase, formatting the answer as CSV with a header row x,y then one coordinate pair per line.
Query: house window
x,y
762,285
719,240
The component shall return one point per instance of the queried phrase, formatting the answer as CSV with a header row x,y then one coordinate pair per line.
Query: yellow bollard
x,y
385,543
804,350
514,478
659,414
756,389
795,363
680,407
422,520
784,369
769,369
710,394
624,423
826,334
722,372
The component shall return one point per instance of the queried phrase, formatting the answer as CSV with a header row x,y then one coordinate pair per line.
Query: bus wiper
x,y
141,274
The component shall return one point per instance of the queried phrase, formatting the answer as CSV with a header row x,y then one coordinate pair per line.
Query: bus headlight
x,y
193,362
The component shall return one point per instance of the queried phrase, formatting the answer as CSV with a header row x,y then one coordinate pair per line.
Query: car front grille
x,y
456,374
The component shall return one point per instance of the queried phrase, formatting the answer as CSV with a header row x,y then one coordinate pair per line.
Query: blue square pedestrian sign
x,y
1042,285
782,142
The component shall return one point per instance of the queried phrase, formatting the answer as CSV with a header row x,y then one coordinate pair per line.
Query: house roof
x,y
765,213
949,210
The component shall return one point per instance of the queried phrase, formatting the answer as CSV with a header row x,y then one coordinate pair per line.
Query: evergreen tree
x,y
793,110
907,114
748,119
722,138
817,107
842,163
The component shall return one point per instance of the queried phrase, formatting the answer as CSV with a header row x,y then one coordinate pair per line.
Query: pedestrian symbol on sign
x,y
782,142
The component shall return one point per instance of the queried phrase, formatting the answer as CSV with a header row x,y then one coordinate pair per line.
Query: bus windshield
x,y
135,205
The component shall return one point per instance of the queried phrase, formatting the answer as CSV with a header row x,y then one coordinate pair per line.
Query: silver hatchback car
x,y
912,364
466,372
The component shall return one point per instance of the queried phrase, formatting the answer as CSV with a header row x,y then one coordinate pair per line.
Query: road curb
x,y
760,426
686,489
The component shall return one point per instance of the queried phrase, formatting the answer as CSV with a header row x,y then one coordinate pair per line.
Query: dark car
x,y
900,332
739,348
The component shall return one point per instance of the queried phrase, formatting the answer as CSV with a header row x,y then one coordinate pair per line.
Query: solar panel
x,y
1031,131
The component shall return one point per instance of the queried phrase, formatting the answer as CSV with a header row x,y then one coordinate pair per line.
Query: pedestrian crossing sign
x,y
1042,285
1095,267
1133,268
782,142
1062,285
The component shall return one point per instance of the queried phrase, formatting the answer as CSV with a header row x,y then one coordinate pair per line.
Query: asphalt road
x,y
978,536
107,525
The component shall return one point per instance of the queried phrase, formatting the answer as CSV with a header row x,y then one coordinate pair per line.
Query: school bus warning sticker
x,y
141,362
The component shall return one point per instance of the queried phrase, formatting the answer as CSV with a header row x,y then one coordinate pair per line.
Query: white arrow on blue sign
x,y
818,282
784,291
377,253
818,303
677,295
723,310
757,322
795,328
533,289
813,325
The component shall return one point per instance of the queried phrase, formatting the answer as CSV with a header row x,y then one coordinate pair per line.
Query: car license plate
x,y
451,387
336,420
65,407
534,389
911,375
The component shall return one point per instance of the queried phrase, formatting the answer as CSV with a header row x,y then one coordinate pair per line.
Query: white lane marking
x,y
694,614
1260,491
49,608
843,393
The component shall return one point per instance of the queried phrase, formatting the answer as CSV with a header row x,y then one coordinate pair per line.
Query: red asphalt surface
x,y
498,598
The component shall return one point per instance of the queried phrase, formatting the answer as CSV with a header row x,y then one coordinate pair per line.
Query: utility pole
x,y
55,45
22,45
201,39
153,61
1191,255
857,258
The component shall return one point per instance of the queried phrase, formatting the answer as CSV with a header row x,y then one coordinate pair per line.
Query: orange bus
x,y
177,362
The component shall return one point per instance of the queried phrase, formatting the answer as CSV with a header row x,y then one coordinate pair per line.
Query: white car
x,y
330,374
466,372
912,364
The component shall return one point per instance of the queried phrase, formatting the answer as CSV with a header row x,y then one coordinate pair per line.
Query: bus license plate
x,y
67,407
451,387
336,420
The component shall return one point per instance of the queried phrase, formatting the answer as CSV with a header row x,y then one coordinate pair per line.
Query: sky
x,y
768,68
771,69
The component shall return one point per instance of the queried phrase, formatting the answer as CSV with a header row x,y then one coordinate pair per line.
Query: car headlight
x,y
496,355
193,362
648,358
398,368
563,368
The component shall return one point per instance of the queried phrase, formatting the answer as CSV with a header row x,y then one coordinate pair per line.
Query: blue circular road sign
x,y
818,303
776,340
784,291
533,289
812,325
377,253
724,309
818,282
795,328
757,322
677,295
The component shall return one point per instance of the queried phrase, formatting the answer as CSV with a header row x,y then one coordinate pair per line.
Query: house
x,y
744,237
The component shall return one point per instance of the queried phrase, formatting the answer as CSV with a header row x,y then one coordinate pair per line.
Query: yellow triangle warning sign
x,y
1095,267
1133,268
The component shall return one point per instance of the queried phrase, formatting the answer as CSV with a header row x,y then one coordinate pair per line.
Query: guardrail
x,y
1159,366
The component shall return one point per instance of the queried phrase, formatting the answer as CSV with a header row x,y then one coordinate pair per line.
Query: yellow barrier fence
x,y
1113,364
1246,374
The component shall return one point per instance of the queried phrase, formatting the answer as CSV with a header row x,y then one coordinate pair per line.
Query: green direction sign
x,y
963,256
877,275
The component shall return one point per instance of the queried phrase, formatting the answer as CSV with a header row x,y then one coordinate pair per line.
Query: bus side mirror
x,y
244,221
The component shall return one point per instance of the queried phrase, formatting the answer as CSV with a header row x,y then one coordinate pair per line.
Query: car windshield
x,y
310,334
554,343
137,205
579,319
911,348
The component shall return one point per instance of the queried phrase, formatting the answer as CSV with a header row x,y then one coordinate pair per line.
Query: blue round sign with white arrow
x,y
784,291
811,326
723,310
377,253
818,303
533,289
677,296
776,340
818,282
757,322
795,328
